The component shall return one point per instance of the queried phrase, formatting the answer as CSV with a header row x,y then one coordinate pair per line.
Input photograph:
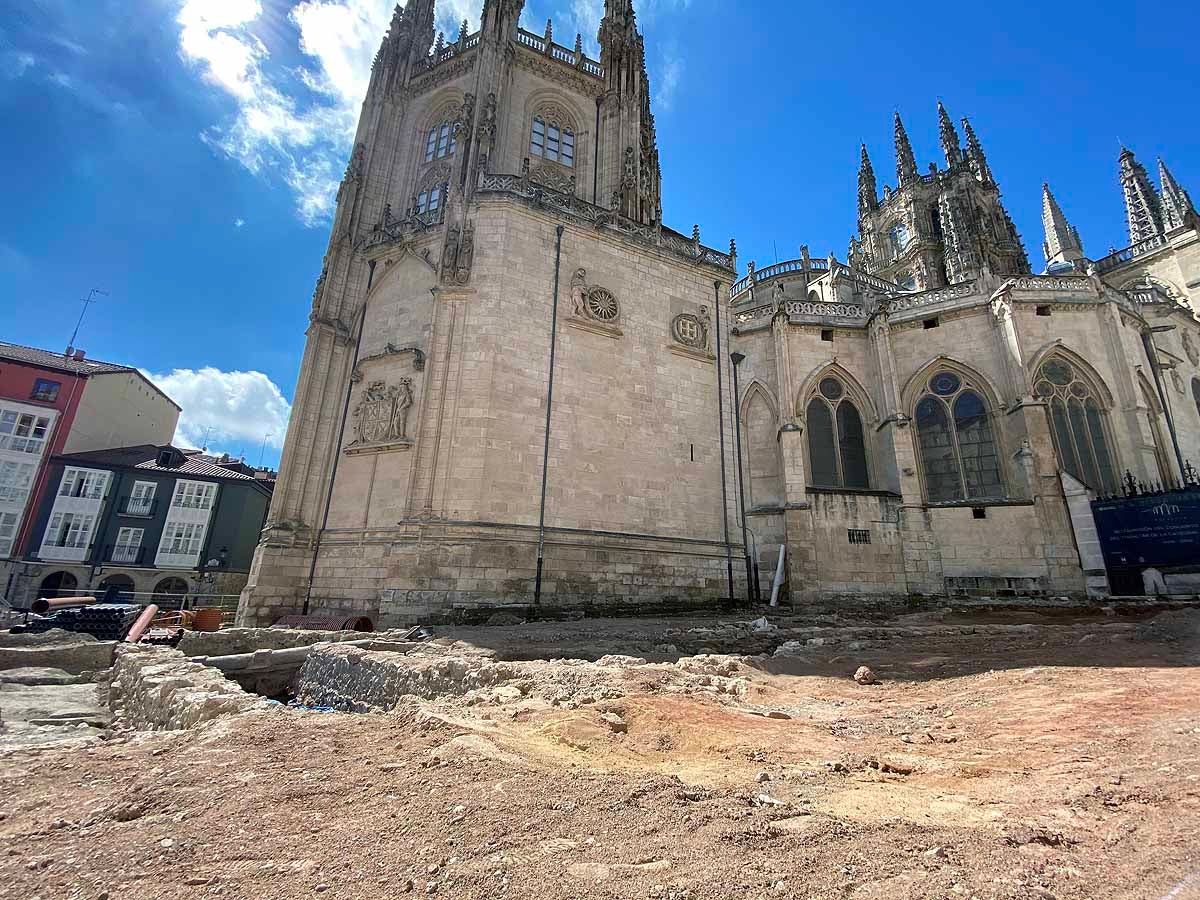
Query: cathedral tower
x,y
944,227
495,179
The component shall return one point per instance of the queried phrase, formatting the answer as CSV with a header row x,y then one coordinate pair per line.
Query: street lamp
x,y
737,359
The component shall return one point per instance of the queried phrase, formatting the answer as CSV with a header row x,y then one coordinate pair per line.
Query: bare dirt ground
x,y
1060,759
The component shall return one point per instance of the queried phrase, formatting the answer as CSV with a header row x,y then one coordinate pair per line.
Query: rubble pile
x,y
353,679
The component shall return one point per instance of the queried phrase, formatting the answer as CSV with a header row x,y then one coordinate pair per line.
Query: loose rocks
x,y
864,675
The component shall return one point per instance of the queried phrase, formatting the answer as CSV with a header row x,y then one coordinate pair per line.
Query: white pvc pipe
x,y
778,576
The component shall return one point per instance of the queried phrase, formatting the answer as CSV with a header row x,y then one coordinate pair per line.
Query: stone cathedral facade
x,y
927,417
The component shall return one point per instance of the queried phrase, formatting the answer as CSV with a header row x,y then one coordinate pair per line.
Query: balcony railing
x,y
138,506
125,554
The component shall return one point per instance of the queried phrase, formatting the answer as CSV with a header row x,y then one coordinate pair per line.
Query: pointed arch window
x,y
1077,424
441,141
958,448
553,139
837,449
1196,393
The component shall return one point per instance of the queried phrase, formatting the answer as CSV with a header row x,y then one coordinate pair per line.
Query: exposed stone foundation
x,y
466,573
153,688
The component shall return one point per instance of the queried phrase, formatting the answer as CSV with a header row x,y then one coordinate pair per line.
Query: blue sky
x,y
181,154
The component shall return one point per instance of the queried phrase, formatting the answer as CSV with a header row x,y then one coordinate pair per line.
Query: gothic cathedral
x,y
518,383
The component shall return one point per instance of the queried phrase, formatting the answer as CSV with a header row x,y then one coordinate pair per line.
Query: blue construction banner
x,y
1159,529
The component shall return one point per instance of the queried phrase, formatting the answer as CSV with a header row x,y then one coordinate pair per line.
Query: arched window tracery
x,y
1077,423
957,446
552,136
837,450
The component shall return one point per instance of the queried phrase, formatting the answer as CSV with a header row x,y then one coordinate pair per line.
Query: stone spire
x,y
949,136
975,155
1062,242
906,163
1177,208
1142,207
631,181
407,41
868,189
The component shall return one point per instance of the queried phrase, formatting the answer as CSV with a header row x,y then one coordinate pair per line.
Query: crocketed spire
x,y
1142,207
906,163
1177,208
975,154
1062,242
868,190
949,137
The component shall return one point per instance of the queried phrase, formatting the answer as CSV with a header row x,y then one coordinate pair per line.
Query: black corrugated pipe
x,y
541,553
337,455
721,432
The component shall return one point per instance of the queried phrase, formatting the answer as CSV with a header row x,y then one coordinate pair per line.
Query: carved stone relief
x,y
381,416
1189,348
594,305
554,177
458,254
693,331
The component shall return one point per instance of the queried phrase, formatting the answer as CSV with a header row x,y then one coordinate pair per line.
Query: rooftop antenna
x,y
90,299
776,249
207,431
263,448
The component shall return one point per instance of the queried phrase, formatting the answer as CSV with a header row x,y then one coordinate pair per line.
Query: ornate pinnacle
x,y
949,136
1177,208
975,155
868,190
439,45
1062,241
462,32
1142,207
906,163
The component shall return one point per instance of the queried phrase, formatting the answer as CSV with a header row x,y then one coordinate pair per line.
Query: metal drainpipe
x,y
721,432
596,156
1152,354
541,553
312,569
736,359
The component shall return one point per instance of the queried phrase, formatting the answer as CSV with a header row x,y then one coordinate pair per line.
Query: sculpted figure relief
x,y
382,413
579,290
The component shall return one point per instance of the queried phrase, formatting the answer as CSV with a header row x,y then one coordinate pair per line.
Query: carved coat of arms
x,y
382,413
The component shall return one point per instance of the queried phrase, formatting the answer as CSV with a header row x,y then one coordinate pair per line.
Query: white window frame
x,y
8,531
68,536
84,484
199,495
129,542
22,431
141,498
16,478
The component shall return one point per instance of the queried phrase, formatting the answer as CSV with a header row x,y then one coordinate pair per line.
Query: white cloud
x,y
295,123
228,407
14,65
238,223
669,75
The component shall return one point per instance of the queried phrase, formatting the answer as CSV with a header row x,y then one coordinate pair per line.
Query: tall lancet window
x,y
958,449
837,450
1077,423
1196,393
